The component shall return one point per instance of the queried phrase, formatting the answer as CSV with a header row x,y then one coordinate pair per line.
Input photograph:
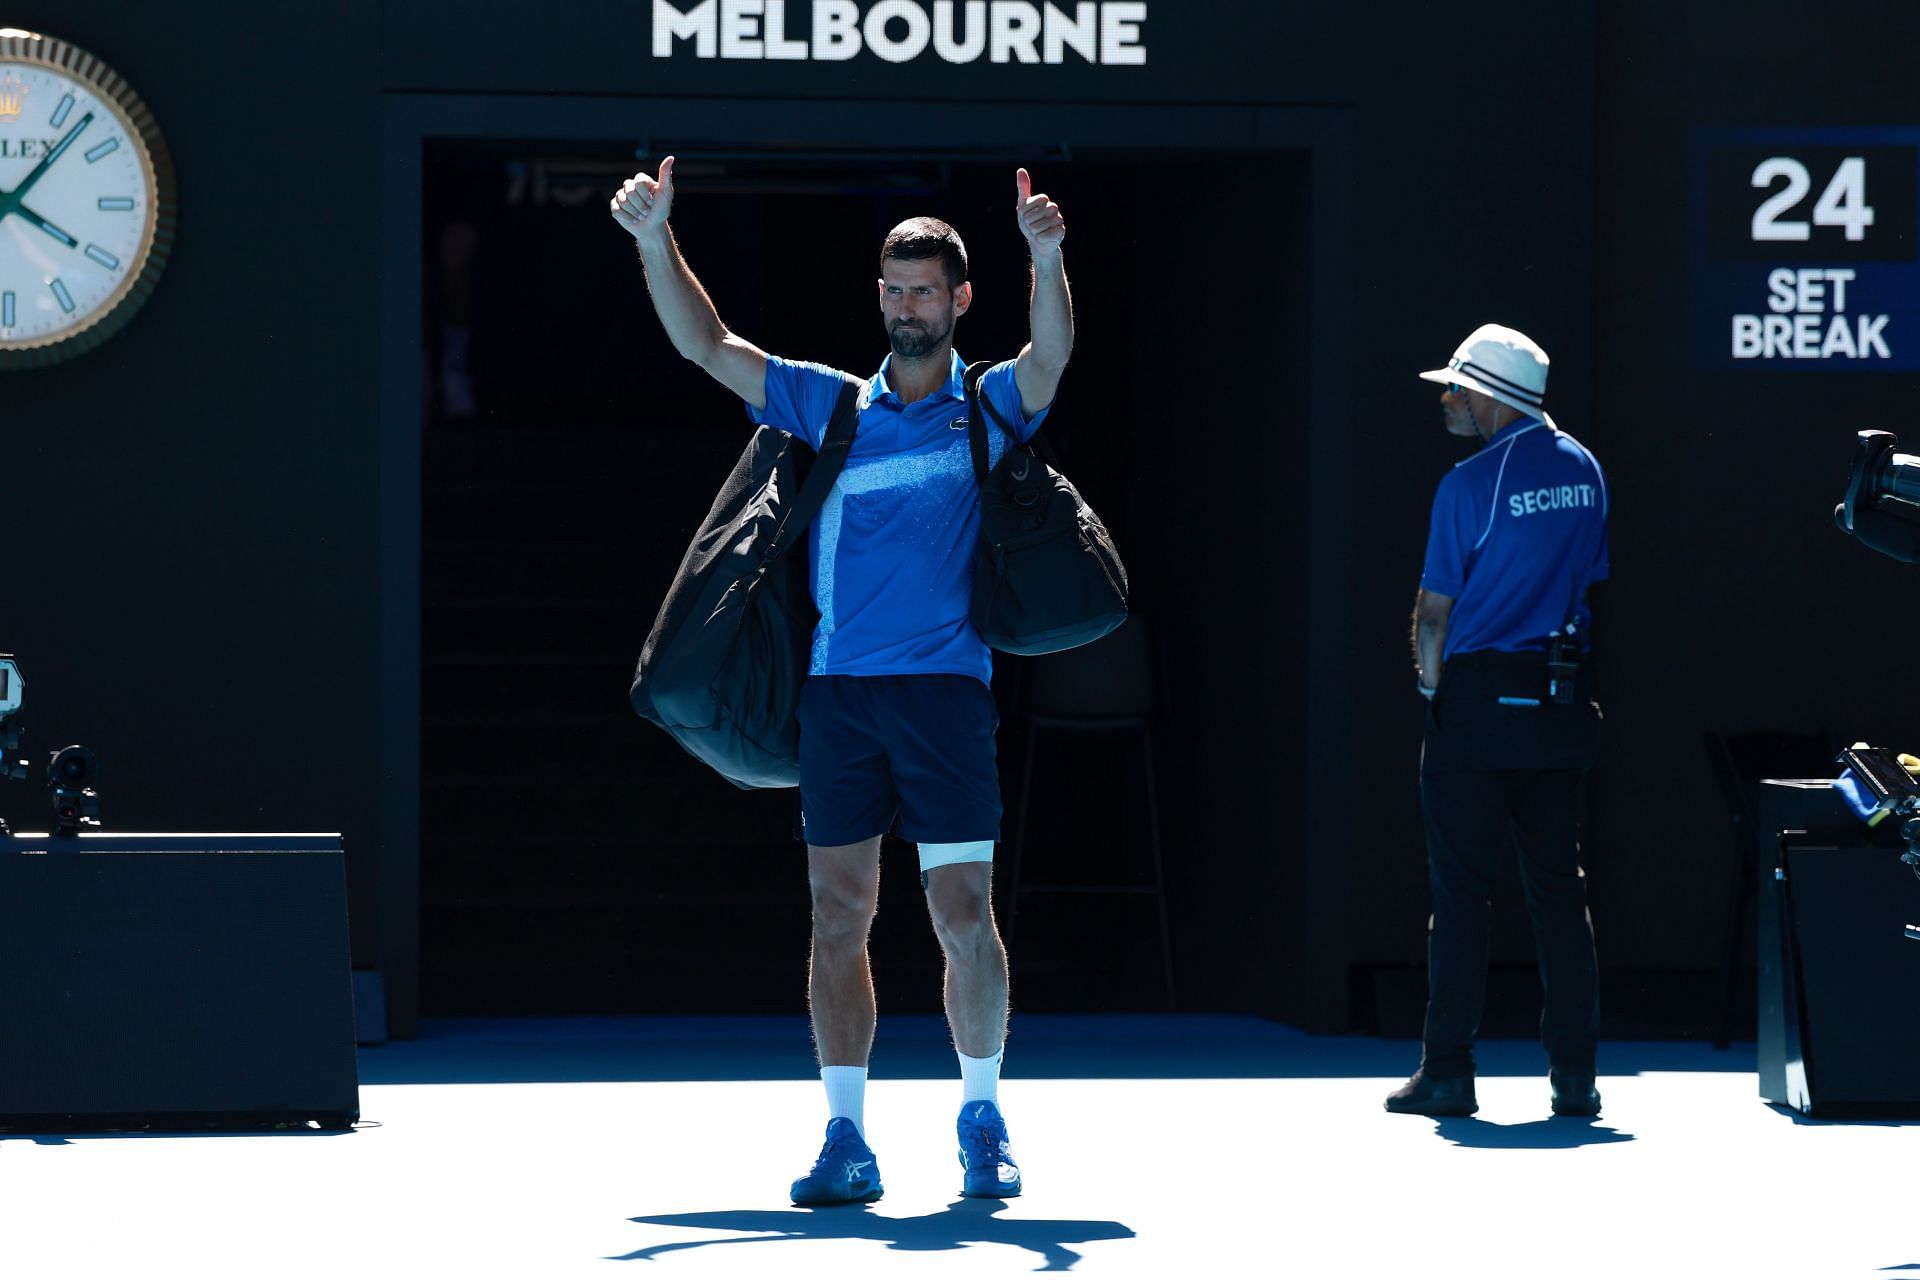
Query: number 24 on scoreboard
x,y
1843,204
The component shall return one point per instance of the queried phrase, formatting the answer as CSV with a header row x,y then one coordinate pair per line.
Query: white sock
x,y
980,1077
846,1095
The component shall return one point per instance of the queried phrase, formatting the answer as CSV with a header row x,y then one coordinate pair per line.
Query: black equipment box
x,y
1839,980
175,982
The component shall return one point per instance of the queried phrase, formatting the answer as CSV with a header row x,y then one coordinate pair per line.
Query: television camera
x,y
1881,508
71,774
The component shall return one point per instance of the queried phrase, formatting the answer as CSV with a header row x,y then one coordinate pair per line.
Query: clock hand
x,y
11,200
45,226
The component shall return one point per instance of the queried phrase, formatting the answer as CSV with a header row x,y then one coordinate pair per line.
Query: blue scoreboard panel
x,y
1803,249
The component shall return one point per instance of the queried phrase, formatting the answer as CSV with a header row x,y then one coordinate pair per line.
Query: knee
x,y
962,918
842,913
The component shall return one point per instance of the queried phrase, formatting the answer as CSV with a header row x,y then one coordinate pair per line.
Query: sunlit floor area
x,y
1153,1146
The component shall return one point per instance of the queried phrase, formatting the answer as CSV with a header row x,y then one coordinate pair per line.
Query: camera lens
x,y
74,766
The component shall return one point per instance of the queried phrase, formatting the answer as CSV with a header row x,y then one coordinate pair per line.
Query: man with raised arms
x,y
896,717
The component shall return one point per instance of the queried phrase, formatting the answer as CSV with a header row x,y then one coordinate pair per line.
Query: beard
x,y
913,341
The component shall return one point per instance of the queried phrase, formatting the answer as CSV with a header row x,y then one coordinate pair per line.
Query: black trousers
x,y
1494,777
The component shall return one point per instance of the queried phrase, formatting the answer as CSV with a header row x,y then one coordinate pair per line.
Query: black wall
x,y
190,512
195,509
1737,604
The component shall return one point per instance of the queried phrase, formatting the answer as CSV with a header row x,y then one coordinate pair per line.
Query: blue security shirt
x,y
892,548
1519,531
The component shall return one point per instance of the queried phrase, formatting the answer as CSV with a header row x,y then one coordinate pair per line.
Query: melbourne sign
x,y
1804,249
958,31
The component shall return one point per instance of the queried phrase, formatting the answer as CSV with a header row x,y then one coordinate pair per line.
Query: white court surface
x,y
1686,1174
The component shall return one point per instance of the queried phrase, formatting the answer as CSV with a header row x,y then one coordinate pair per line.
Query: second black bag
x,y
722,669
1047,576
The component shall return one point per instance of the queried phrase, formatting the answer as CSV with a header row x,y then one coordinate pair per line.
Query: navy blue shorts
x,y
916,750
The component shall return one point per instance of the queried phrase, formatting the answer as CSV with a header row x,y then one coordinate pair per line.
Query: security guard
x,y
1500,641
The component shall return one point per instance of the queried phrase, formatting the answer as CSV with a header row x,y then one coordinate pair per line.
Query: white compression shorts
x,y
942,855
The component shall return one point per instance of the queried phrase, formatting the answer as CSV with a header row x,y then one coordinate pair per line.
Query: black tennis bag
x,y
1047,576
722,669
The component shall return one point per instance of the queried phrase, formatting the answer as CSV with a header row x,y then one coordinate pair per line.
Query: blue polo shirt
x,y
1519,531
892,548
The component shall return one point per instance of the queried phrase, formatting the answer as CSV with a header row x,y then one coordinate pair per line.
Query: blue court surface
x,y
1180,1147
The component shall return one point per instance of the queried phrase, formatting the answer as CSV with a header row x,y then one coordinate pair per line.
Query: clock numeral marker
x,y
6,310
102,257
59,288
105,149
60,112
116,204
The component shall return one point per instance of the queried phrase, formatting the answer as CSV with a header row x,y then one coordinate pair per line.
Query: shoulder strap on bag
x,y
976,430
831,456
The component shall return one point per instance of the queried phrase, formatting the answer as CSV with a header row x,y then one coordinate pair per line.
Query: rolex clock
x,y
86,201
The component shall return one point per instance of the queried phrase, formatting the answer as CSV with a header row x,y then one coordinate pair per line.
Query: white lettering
x,y
959,31
1806,337
1559,498
1810,336
1016,31
1839,340
1780,285
696,24
1812,292
740,29
1776,338
976,39
1870,327
919,30
836,30
1120,35
1080,33
1839,276
779,48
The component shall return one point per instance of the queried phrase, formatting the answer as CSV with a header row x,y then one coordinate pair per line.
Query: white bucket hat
x,y
1500,362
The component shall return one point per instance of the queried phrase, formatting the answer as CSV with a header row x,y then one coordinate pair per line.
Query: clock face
x,y
86,201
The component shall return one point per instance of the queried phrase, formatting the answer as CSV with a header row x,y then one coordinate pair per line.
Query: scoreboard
x,y
1803,249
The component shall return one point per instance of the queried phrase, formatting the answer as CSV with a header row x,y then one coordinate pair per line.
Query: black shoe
x,y
1425,1096
1574,1093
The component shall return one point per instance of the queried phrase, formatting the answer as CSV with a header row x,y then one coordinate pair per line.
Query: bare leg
x,y
960,902
846,893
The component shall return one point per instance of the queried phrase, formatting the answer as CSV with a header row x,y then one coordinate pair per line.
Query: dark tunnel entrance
x,y
573,859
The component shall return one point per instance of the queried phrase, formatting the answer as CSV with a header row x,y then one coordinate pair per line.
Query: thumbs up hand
x,y
643,204
1041,221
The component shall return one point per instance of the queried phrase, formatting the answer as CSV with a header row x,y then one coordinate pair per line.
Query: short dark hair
x,y
917,239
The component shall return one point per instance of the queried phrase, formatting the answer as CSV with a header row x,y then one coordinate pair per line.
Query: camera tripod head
x,y
1881,509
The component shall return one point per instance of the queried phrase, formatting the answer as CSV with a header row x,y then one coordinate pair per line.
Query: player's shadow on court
x,y
1558,1134
962,1224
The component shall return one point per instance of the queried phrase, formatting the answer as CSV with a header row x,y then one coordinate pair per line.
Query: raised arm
x,y
642,207
1044,358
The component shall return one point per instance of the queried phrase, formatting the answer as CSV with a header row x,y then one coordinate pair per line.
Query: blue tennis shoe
x,y
845,1173
985,1154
